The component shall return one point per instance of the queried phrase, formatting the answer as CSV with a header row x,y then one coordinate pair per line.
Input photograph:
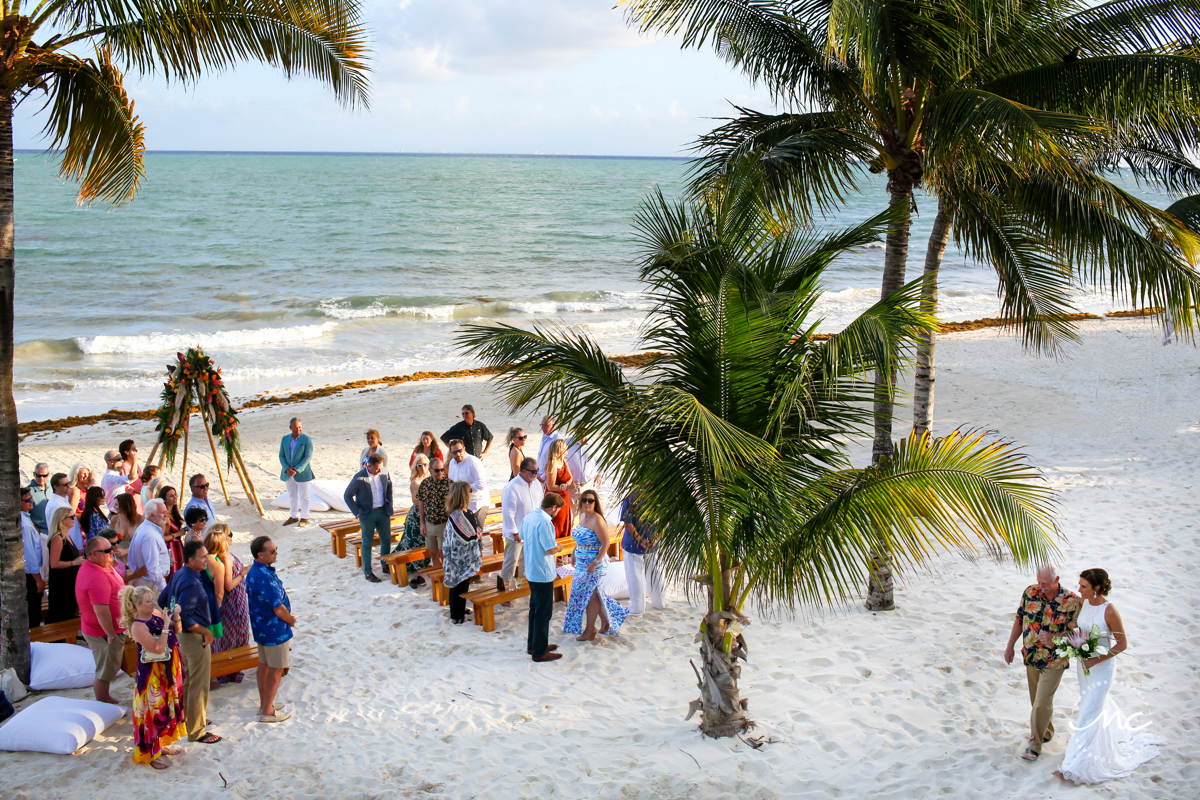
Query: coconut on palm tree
x,y
735,435
72,56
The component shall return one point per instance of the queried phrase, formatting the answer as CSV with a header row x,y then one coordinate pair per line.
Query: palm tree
x,y
1006,113
91,123
734,436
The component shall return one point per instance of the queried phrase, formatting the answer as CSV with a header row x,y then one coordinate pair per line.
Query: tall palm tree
x,y
1006,112
71,55
734,436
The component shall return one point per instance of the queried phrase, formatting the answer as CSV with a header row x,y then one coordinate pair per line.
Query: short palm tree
x,y
71,55
1007,113
734,436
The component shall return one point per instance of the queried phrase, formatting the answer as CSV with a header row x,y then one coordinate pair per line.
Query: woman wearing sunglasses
x,y
591,565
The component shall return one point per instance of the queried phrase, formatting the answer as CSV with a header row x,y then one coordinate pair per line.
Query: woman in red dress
x,y
172,526
559,480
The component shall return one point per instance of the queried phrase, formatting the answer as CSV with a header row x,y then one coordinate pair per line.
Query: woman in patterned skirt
x,y
412,537
227,573
158,707
591,565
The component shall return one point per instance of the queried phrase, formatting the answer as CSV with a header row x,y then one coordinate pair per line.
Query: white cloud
x,y
439,40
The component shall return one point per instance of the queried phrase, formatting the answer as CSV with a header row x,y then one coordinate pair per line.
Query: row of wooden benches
x,y
345,532
226,662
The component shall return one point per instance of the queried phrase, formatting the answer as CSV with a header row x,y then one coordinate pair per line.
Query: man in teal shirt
x,y
537,532
295,453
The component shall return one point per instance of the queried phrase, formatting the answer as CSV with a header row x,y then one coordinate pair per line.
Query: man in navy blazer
x,y
369,497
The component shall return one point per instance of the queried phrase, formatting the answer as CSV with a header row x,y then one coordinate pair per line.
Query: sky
x,y
565,77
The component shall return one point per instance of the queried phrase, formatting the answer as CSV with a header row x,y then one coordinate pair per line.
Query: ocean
x,y
299,270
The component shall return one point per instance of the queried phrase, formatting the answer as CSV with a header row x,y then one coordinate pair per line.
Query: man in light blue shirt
x,y
537,532
148,549
31,542
199,486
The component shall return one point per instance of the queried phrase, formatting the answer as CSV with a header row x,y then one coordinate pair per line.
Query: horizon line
x,y
394,154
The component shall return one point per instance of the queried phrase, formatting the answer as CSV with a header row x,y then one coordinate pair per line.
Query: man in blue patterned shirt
x,y
271,621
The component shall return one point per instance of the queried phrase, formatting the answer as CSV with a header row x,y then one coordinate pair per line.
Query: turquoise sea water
x,y
294,270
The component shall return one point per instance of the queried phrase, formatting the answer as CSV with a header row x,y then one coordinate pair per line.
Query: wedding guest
x,y
476,437
151,489
431,505
195,521
427,446
199,499
65,560
92,518
467,468
96,588
40,491
550,435
641,569
80,481
516,452
191,589
1046,609
560,482
148,549
129,464
227,573
60,487
149,473
369,498
31,546
126,519
588,596
113,481
521,496
541,546
272,621
584,468
462,549
295,455
120,558
374,447
172,529
413,538
158,708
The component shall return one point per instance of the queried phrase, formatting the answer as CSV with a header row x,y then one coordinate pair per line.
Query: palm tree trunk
x,y
879,585
14,616
923,379
721,705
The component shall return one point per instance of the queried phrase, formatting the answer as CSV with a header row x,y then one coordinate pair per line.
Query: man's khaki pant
x,y
1043,683
197,671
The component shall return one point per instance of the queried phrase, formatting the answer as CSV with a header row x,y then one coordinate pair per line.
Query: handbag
x,y
153,658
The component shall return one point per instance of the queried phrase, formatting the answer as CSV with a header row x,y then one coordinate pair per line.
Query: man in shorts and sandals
x,y
271,621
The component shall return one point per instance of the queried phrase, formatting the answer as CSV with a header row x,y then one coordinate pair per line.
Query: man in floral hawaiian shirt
x,y
1045,611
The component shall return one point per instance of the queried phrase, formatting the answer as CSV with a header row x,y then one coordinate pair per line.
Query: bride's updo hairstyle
x,y
1098,579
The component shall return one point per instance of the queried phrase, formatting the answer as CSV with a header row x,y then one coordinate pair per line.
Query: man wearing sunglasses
x,y
31,543
40,491
521,496
199,486
115,480
60,486
96,588
475,435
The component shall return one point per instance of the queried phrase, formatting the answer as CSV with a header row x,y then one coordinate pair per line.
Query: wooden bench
x,y
227,662
485,600
397,563
441,593
342,528
493,524
65,631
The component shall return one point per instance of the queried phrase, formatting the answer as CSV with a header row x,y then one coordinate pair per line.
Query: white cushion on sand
x,y
58,725
314,503
331,491
60,666
615,585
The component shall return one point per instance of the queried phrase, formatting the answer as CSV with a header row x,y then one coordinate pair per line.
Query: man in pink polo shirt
x,y
96,588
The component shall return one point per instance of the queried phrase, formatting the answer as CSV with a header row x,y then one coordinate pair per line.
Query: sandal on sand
x,y
1029,755
158,763
209,738
171,751
582,638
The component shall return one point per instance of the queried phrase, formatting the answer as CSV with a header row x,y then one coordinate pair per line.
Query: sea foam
x,y
166,342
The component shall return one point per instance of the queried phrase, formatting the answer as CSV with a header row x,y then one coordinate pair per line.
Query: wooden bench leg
x,y
489,618
333,542
340,547
401,574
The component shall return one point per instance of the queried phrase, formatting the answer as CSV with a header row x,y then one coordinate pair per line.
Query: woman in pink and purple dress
x,y
227,573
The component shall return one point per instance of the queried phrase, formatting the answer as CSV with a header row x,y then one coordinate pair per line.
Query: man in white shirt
x,y
583,468
469,469
113,481
549,436
60,487
31,542
199,486
148,548
522,495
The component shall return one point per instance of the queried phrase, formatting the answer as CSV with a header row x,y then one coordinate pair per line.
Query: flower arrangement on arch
x,y
194,384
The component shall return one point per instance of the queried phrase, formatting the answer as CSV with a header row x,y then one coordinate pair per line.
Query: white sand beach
x,y
390,700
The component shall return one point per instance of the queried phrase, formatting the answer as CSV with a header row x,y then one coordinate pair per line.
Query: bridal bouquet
x,y
1081,645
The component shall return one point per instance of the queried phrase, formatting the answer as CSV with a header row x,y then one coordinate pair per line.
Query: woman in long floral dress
x,y
227,573
158,707
588,598
412,537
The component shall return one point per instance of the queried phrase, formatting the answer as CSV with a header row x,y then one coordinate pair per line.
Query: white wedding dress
x,y
1104,745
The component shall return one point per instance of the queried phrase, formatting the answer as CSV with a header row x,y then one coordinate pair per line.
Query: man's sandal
x,y
1029,755
209,738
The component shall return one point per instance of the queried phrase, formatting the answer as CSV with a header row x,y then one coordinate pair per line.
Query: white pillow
x,y
615,584
331,492
58,725
60,666
314,503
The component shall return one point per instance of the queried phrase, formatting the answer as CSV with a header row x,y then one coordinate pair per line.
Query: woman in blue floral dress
x,y
591,565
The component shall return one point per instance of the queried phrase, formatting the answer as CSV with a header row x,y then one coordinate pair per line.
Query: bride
x,y
1104,745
